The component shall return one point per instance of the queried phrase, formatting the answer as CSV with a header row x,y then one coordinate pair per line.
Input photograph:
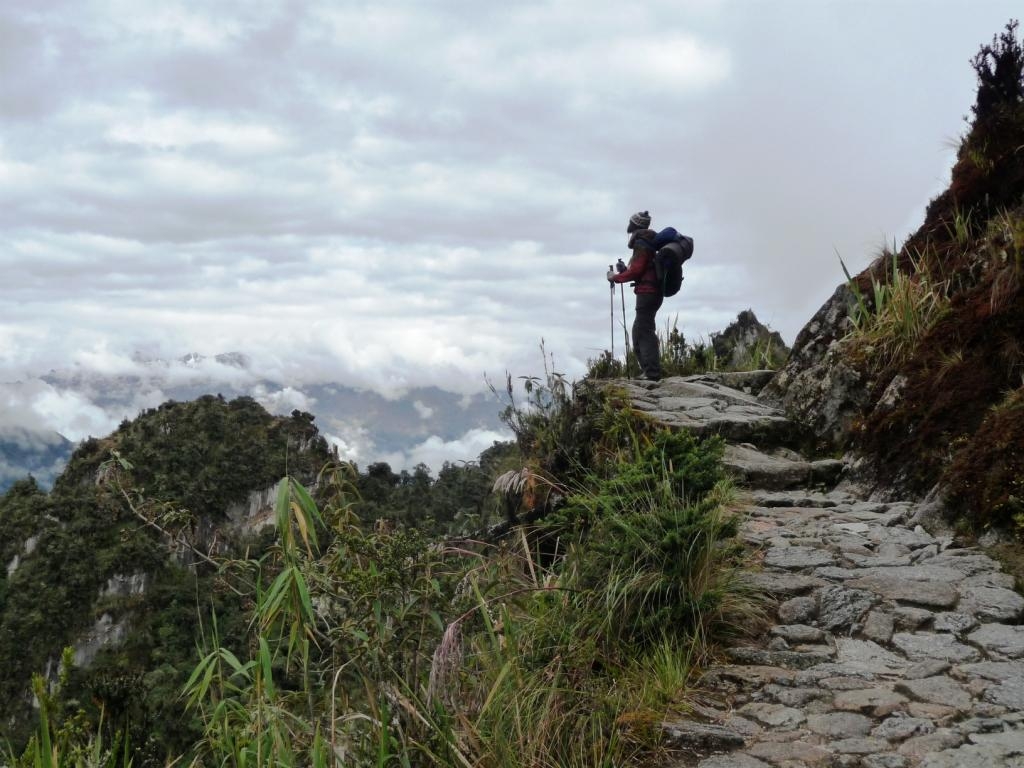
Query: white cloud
x,y
415,194
434,451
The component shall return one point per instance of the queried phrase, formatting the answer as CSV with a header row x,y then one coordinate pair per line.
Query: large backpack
x,y
668,264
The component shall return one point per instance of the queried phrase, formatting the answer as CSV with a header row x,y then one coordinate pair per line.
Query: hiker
x,y
644,242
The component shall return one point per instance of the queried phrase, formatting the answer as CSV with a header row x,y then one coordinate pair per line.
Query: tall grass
x,y
888,322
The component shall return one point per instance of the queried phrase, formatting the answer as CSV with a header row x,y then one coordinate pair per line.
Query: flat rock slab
x,y
732,761
700,736
753,467
867,657
706,407
791,753
1000,641
779,499
937,690
925,647
1006,693
795,558
992,603
997,750
779,584
785,659
841,608
776,716
840,725
932,594
876,702
901,727
798,633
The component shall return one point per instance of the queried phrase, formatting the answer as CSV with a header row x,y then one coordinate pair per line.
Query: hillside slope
x,y
917,364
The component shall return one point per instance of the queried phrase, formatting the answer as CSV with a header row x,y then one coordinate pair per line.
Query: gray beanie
x,y
639,220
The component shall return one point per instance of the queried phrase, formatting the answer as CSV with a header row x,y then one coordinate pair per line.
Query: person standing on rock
x,y
644,242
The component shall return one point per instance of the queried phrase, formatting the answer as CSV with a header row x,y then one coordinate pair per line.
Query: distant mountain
x,y
365,425
23,452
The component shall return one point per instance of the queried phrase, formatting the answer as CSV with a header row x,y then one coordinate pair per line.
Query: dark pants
x,y
645,334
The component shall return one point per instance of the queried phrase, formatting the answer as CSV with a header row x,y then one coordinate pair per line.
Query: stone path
x,y
890,647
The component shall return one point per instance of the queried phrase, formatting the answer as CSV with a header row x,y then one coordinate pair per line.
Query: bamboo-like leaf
x,y
265,669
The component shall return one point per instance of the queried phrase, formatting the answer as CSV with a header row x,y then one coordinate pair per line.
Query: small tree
x,y
1000,69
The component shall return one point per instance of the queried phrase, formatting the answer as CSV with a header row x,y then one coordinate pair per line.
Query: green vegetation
x,y
355,636
890,321
682,358
937,324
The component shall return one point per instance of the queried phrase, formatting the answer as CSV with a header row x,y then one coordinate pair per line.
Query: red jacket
x,y
641,271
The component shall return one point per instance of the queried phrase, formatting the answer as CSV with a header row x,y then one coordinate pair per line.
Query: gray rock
x,y
774,715
982,725
841,608
867,657
794,558
700,736
927,573
780,499
992,603
937,690
779,584
900,727
877,702
925,647
920,747
798,633
932,594
826,471
816,386
997,750
840,725
929,668
732,761
798,610
993,578
1007,693
787,659
859,746
957,623
908,617
755,468
793,752
885,760
836,573
1000,641
879,626
795,697
997,671
844,683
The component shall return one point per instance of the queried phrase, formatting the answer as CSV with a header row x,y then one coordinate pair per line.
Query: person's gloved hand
x,y
620,266
611,275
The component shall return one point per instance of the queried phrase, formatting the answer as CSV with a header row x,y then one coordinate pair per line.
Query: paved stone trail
x,y
890,647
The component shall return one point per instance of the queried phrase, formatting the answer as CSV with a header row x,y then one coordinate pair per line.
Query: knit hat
x,y
639,220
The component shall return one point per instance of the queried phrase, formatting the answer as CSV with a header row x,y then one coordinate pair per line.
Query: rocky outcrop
x,y
747,341
816,386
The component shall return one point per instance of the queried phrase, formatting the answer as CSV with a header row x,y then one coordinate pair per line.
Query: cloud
x,y
408,194
435,451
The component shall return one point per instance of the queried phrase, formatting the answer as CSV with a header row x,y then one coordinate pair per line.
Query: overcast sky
x,y
403,192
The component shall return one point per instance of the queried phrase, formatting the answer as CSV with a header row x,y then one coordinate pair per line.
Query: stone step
x,y
706,407
754,468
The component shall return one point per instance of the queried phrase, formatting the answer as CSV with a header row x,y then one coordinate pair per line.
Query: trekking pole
x,y
611,313
625,334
